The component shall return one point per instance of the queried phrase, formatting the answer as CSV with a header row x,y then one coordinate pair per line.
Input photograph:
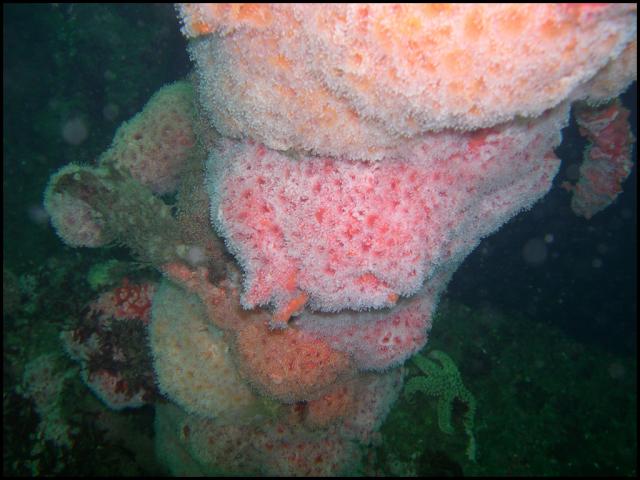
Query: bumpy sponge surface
x,y
358,80
192,359
350,234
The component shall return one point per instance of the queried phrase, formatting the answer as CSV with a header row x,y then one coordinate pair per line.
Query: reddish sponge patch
x,y
133,301
607,160
332,406
376,340
109,342
289,365
129,301
113,390
292,452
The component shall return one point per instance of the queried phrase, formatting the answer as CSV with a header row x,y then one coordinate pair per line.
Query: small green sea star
x,y
442,380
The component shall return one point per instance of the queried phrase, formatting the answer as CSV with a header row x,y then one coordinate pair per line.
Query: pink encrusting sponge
x,y
336,234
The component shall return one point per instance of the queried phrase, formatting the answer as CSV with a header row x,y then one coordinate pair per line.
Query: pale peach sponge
x,y
192,359
154,145
359,79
